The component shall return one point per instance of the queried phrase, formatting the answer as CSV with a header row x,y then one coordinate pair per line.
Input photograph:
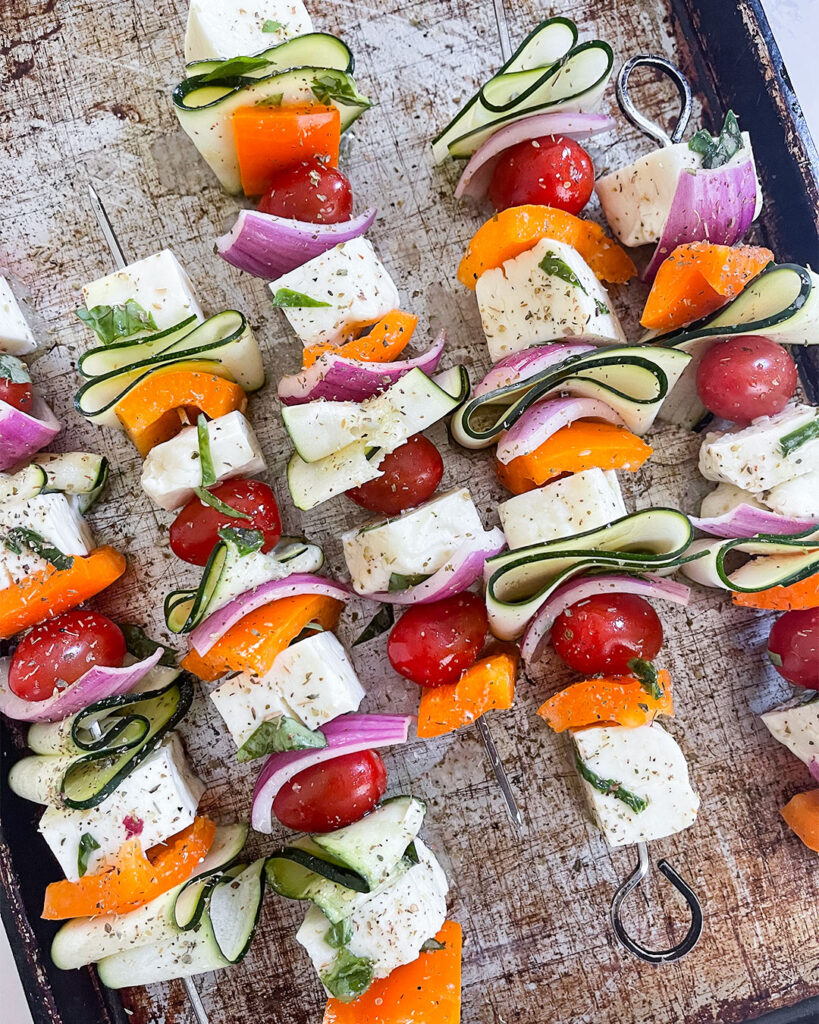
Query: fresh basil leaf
x,y
432,946
601,308
349,977
337,88
138,643
339,934
553,265
288,297
205,458
383,620
401,581
648,676
20,537
235,67
309,630
271,101
411,854
793,442
611,787
775,659
245,541
277,736
14,369
110,323
718,151
207,498
271,26
87,846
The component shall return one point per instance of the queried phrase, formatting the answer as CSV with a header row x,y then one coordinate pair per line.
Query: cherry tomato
x,y
433,644
15,383
746,377
195,531
333,794
603,633
793,647
312,192
552,171
410,476
57,652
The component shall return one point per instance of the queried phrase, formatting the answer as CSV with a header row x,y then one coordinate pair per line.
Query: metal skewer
x,y
499,772
639,120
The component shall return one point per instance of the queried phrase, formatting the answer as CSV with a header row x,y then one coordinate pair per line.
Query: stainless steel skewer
x,y
639,120
499,772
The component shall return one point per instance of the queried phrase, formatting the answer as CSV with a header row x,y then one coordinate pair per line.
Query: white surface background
x,y
796,27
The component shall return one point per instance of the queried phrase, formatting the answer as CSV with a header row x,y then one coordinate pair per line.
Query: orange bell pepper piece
x,y
384,343
269,139
150,411
489,684
572,449
796,596
801,813
134,878
251,645
513,231
618,699
696,279
426,991
46,593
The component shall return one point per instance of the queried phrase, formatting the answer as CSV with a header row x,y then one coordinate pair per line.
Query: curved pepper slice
x,y
801,814
618,699
383,344
796,596
488,685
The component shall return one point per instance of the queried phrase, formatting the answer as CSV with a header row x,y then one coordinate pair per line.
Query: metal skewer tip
x,y
107,230
499,772
195,1001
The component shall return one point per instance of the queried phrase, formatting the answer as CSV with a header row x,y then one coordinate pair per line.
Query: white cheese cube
x,y
725,498
583,501
637,199
798,498
16,336
53,517
158,283
312,681
236,28
797,727
354,283
172,470
390,926
647,762
522,304
160,795
415,543
751,457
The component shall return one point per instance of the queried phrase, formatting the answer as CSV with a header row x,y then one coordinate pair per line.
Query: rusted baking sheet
x,y
86,95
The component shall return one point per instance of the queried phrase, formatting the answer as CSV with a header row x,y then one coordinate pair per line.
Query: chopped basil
x,y
775,659
383,620
288,297
14,369
87,846
601,308
611,787
411,854
270,101
309,630
138,643
339,88
207,498
21,537
432,946
718,151
400,581
339,934
553,265
793,441
349,977
110,323
236,67
271,26
277,736
203,437
648,676
245,541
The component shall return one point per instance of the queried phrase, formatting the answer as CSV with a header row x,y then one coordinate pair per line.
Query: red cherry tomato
x,y
433,644
603,633
19,395
195,531
311,192
333,794
410,476
746,377
793,647
552,171
57,652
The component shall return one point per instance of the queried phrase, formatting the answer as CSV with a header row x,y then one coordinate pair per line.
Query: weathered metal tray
x,y
86,89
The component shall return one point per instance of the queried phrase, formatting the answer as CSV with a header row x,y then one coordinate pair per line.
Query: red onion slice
x,y
813,767
543,419
747,521
347,734
588,586
268,246
460,572
520,366
22,434
98,682
214,627
714,205
336,379
478,172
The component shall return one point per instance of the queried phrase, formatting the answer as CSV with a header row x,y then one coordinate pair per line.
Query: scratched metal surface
x,y
86,94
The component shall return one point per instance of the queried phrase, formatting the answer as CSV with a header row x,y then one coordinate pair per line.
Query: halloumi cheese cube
x,y
548,292
54,518
237,28
798,498
353,282
647,762
173,470
16,337
158,283
580,502
158,799
752,458
796,725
